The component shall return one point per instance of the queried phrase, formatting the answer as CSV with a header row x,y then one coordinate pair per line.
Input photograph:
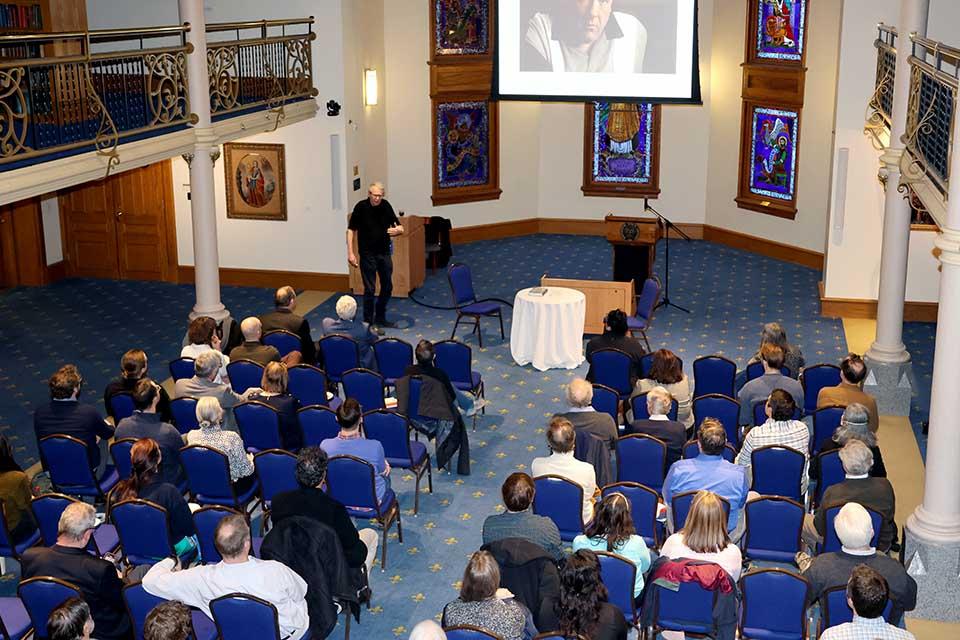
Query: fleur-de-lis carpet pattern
x,y
730,294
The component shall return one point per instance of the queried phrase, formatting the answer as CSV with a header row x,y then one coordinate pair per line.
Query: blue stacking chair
x,y
259,425
834,609
646,363
643,509
638,405
392,430
619,576
14,619
680,506
456,359
606,400
277,472
244,374
760,413
688,609
829,472
47,510
240,617
181,368
774,605
40,596
350,481
815,378
714,374
9,548
393,356
120,452
69,466
464,298
825,422
778,471
366,387
646,303
561,500
692,449
469,632
140,603
208,475
144,529
421,424
556,635
773,526
205,520
755,370
643,459
612,368
721,407
121,404
317,423
184,414
282,340
308,384
340,354
830,540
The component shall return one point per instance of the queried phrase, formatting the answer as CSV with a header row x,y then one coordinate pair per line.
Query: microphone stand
x,y
665,300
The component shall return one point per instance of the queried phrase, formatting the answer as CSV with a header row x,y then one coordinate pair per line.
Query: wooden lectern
x,y
601,298
634,243
409,260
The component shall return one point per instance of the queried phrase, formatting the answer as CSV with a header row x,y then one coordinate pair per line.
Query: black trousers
x,y
371,266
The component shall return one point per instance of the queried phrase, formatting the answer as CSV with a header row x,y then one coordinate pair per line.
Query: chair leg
x,y
383,544
429,475
647,342
416,491
500,315
399,526
455,325
346,628
479,333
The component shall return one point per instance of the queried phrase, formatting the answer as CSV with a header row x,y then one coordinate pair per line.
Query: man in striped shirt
x,y
781,430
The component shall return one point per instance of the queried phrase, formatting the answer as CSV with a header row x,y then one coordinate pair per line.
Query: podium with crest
x,y
634,242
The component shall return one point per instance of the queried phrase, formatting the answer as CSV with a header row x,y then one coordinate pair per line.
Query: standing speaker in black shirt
x,y
374,222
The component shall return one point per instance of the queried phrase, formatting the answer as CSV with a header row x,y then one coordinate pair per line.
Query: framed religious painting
x,y
621,149
465,151
769,152
776,31
461,28
255,181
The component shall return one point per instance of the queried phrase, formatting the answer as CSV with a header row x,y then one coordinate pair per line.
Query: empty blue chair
x,y
259,425
692,449
721,407
825,422
643,509
340,354
393,356
638,405
561,500
835,610
282,340
392,430
350,481
613,368
680,507
47,510
774,605
714,374
619,577
366,387
184,412
456,359
642,459
244,374
778,471
317,423
829,472
120,452
144,529
830,540
43,594
181,368
688,609
205,520
121,406
773,526
69,466
10,548
760,413
755,370
308,384
606,400
240,617
208,475
14,619
277,472
140,603
815,378
469,632
465,300
646,303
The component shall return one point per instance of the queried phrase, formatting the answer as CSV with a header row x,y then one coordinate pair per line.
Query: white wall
x,y
943,21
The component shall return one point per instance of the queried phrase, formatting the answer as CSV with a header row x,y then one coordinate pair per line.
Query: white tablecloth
x,y
547,330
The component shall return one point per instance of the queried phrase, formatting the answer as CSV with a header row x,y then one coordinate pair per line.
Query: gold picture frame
x,y
256,181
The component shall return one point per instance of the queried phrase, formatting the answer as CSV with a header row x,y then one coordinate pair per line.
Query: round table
x,y
547,330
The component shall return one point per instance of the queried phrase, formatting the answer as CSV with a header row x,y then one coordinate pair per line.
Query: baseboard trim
x,y
56,272
764,247
496,230
858,308
268,278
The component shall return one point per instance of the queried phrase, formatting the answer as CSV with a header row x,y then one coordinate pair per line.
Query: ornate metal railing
x,y
880,107
261,66
90,90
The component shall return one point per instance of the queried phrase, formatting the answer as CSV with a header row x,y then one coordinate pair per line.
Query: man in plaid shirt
x,y
780,429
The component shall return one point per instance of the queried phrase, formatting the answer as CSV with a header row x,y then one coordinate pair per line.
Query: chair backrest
x,y
561,500
469,632
829,472
612,367
239,617
259,425
393,356
47,510
181,368
773,526
755,370
317,423
120,452
350,481
815,378
689,608
185,414
139,604
308,384
390,429
692,449
647,300
455,359
619,576
721,407
638,404
121,405
276,470
825,422
830,540
208,472
680,506
643,509
774,605
68,464
760,413
43,594
282,340
778,471
366,387
714,374
205,520
340,354
646,363
244,374
144,530
643,459
606,400
461,284
835,610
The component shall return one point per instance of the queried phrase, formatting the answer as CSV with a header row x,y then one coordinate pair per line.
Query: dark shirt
x,y
876,493
127,385
286,405
286,319
71,418
670,431
315,504
169,497
539,530
370,224
878,470
150,425
596,423
631,346
432,371
97,580
611,625
262,354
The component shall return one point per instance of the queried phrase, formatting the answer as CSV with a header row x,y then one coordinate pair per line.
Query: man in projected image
x,y
584,36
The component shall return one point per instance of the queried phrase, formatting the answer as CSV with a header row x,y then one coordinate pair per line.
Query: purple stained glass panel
x,y
463,144
461,27
622,143
773,153
779,29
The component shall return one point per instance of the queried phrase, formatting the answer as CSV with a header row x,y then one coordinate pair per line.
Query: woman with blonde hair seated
x,y
704,536
274,393
211,434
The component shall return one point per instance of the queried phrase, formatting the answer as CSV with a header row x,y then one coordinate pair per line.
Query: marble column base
x,y
891,385
936,568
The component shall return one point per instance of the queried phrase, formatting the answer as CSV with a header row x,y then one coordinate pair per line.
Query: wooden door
x,y
89,230
8,255
141,201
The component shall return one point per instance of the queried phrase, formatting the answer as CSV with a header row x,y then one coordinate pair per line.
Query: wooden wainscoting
x,y
857,308
270,279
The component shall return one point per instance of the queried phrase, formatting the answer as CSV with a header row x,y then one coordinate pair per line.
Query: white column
x,y
203,206
888,346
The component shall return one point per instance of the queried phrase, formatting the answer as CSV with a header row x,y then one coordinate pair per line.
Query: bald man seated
x,y
253,349
284,317
346,324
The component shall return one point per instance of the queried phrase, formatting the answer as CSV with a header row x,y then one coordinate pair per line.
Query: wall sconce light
x,y
370,93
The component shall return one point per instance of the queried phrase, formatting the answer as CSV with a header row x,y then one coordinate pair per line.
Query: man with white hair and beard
x,y
346,324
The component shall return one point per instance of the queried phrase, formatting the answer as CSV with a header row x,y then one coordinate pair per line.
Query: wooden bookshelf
x,y
43,16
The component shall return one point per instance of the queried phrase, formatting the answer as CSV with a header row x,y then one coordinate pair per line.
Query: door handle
x,y
119,213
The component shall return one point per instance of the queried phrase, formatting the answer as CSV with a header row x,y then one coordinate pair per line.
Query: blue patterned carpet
x,y
730,294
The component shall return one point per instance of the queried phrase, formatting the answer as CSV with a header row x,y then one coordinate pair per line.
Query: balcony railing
x,y
880,107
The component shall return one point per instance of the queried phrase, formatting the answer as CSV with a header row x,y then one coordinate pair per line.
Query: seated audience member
x,y
146,422
15,495
853,371
237,572
859,487
667,371
252,349
774,334
66,415
660,426
203,338
582,607
710,472
518,521
211,434
274,393
204,384
70,621
615,337
612,530
854,425
133,369
283,317
350,442
466,403
560,439
145,483
98,580
347,324
780,430
830,570
482,606
760,388
867,593
704,536
427,630
311,501
584,417
168,621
